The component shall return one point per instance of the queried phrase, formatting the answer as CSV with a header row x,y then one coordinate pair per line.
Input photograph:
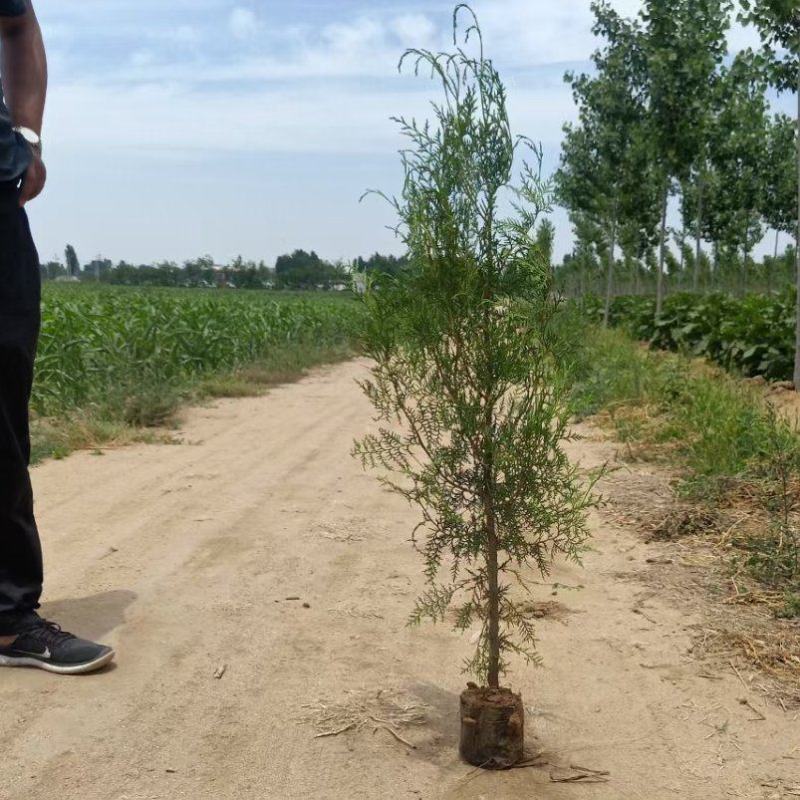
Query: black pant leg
x,y
20,549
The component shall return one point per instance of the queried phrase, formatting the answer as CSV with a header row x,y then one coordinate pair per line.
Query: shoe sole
x,y
60,669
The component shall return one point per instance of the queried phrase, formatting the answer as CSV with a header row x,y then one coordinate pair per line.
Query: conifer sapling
x,y
465,381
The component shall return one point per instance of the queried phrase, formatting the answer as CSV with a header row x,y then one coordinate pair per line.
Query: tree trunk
x,y
627,268
699,235
493,580
610,269
488,488
771,267
745,254
715,269
797,250
662,251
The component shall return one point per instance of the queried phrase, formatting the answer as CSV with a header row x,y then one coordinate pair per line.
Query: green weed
x,y
720,432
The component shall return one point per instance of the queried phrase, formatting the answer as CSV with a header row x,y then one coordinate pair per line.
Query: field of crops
x,y
753,335
99,344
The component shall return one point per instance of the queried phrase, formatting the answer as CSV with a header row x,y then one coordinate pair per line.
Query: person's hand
x,y
34,180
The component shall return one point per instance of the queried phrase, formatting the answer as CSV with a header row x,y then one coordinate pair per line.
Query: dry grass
x,y
546,609
58,438
741,627
703,543
385,709
637,428
683,520
714,494
765,657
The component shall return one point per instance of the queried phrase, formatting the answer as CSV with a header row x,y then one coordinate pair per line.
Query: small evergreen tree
x,y
465,383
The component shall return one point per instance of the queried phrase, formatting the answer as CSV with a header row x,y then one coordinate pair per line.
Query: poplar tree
x,y
579,188
738,155
781,182
778,22
602,179
684,42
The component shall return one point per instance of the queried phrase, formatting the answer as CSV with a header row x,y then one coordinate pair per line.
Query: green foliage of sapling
x,y
464,381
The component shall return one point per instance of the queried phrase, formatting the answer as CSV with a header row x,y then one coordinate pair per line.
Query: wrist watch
x,y
31,137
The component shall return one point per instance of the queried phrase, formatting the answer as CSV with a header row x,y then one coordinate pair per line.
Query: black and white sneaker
x,y
45,646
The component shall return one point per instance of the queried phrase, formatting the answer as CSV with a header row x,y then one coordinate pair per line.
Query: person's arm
x,y
23,66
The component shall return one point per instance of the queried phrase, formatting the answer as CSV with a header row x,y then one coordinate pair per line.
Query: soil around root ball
x,y
492,727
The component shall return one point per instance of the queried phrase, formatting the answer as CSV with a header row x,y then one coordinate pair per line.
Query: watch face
x,y
29,136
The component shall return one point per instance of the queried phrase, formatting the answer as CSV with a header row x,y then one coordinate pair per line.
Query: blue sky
x,y
252,127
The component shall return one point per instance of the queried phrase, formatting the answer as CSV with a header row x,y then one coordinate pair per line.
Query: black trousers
x,y
20,288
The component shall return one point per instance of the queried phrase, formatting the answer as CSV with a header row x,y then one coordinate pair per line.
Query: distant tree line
x,y
300,270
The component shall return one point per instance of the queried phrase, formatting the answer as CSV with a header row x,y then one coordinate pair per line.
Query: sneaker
x,y
45,646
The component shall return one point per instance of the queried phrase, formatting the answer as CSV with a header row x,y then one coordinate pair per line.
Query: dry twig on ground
x,y
382,709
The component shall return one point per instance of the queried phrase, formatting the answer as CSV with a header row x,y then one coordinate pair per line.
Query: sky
x,y
227,127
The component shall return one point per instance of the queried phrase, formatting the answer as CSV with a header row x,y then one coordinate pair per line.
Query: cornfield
x,y
100,342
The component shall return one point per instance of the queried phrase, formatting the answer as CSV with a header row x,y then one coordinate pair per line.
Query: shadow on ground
x,y
92,617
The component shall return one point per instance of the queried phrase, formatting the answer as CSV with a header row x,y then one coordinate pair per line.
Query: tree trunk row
x,y
610,271
662,250
797,249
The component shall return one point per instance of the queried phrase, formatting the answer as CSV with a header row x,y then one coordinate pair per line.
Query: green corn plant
x,y
464,380
96,342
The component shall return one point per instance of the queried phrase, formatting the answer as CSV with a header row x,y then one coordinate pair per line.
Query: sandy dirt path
x,y
183,556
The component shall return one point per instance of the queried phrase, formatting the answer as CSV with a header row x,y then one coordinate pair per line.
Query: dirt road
x,y
183,557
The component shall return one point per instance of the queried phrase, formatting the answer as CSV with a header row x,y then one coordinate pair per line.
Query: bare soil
x,y
256,585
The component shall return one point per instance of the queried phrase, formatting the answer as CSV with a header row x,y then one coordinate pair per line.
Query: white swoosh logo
x,y
46,655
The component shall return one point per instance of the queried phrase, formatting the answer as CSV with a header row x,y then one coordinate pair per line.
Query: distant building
x,y
222,278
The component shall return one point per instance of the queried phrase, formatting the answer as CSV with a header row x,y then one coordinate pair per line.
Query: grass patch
x,y
284,365
711,423
135,413
730,447
85,431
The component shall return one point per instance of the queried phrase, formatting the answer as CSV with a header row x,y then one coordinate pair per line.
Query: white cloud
x,y
142,58
528,33
187,34
363,47
265,120
344,118
243,22
144,82
357,35
741,38
308,92
414,30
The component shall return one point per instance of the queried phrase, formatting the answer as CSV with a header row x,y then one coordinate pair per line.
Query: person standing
x,y
26,639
